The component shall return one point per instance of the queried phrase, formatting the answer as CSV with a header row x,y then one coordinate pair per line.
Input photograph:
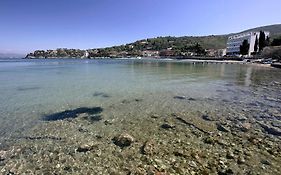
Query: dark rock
x,y
226,172
209,140
180,97
101,94
207,117
98,136
222,128
241,118
191,99
154,116
265,162
241,160
230,155
108,122
167,126
191,125
123,140
81,129
271,129
276,124
180,153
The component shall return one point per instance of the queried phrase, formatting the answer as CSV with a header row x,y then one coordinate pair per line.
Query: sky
x,y
28,25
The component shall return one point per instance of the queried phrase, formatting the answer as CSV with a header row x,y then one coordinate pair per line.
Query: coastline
x,y
203,60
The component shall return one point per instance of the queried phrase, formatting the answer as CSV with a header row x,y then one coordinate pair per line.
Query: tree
x,y
276,42
244,48
261,41
256,44
267,41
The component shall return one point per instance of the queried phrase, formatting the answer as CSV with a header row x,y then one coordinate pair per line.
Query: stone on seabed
x,y
123,140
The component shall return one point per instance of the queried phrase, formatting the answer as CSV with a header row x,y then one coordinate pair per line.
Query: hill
x,y
207,42
177,46
275,30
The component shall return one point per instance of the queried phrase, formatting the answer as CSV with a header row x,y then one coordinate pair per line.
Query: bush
x,y
272,52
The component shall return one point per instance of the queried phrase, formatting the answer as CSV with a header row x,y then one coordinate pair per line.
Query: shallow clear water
x,y
33,88
128,94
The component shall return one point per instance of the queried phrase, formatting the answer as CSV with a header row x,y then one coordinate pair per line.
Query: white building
x,y
235,41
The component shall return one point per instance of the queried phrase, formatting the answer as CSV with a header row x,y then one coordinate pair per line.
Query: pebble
x,y
108,122
209,140
85,147
230,155
245,127
123,140
149,147
241,160
3,155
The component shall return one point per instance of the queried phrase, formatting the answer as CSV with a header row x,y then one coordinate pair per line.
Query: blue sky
x,y
27,25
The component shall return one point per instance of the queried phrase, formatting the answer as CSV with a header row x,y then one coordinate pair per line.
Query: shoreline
x,y
195,60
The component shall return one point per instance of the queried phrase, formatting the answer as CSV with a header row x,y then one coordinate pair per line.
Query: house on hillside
x,y
150,53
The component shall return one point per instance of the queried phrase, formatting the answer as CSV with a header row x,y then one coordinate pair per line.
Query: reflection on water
x,y
248,76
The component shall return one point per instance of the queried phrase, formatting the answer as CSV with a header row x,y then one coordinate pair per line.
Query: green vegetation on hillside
x,y
164,46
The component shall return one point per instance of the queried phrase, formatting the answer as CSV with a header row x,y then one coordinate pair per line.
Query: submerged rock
x,y
108,122
149,147
222,128
3,155
271,129
168,126
95,118
180,97
208,118
245,127
123,140
155,116
230,155
209,140
86,147
226,172
265,162
241,160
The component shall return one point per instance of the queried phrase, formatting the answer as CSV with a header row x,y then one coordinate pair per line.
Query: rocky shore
x,y
193,142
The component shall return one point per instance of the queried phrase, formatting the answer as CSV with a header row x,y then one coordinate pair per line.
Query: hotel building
x,y
235,41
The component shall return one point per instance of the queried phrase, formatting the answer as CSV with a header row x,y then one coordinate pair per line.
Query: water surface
x,y
36,92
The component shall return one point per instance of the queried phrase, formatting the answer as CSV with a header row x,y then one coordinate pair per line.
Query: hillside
x,y
207,42
275,30
177,46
